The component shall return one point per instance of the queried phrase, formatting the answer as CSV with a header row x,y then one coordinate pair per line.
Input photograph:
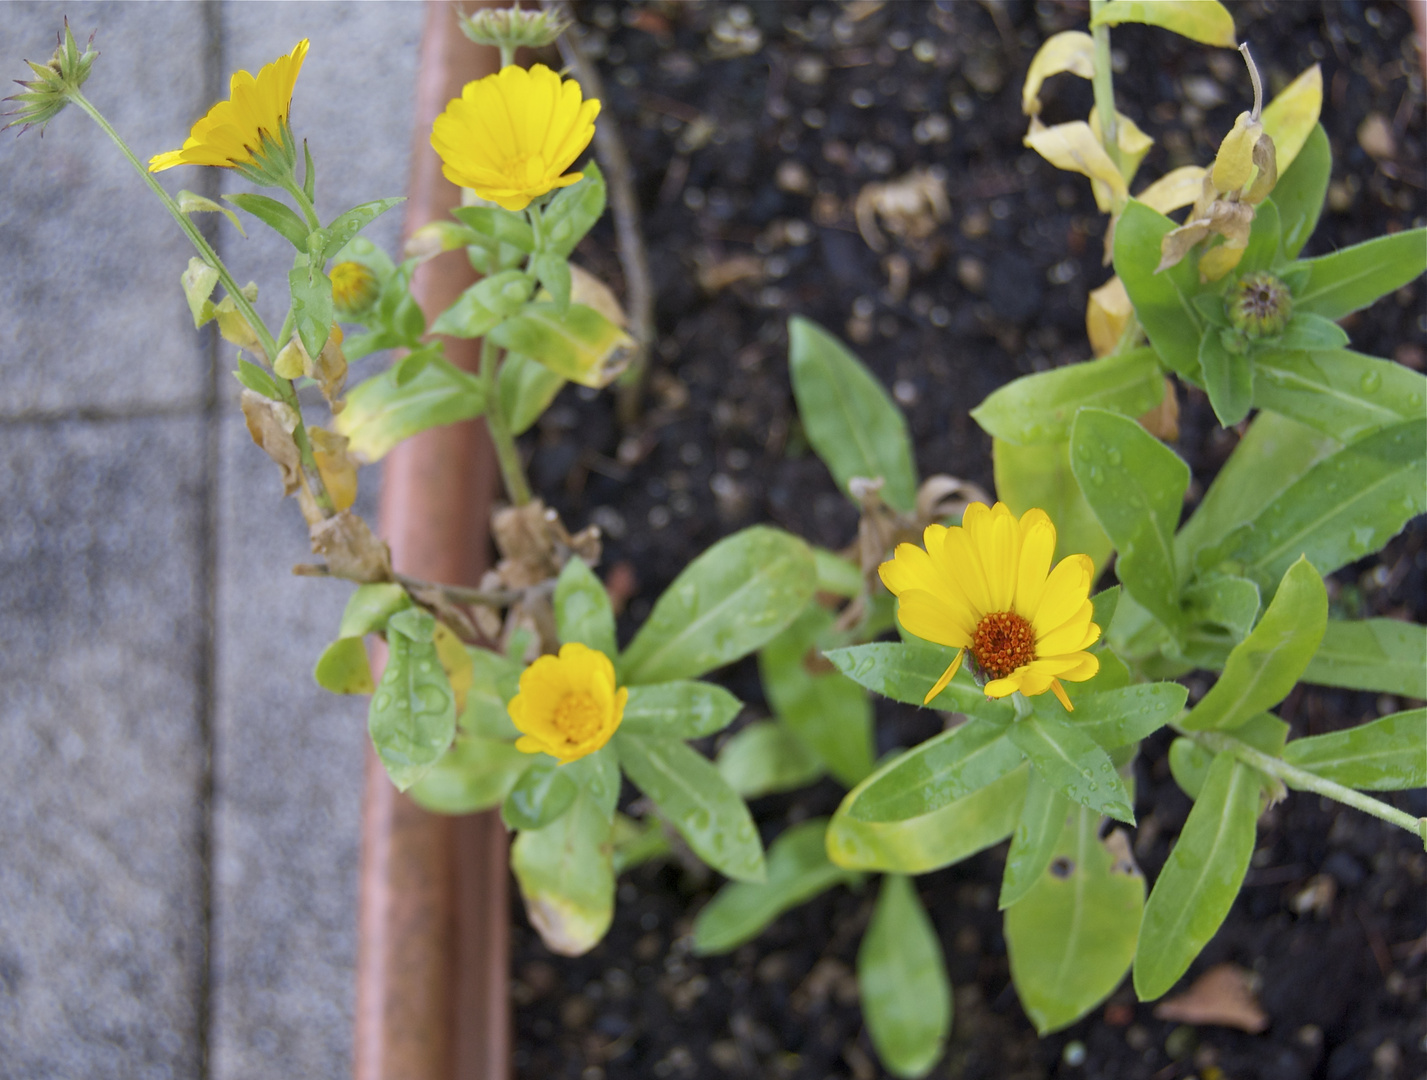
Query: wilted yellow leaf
x,y
589,290
1134,145
1266,162
1234,164
1175,189
1218,261
338,471
1074,148
1205,21
1070,50
1107,314
456,659
1290,117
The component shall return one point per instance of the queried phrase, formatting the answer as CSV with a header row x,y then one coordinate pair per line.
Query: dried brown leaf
x,y
1222,997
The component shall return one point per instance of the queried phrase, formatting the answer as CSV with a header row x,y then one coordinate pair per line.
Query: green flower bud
x,y
1259,305
354,288
49,91
513,27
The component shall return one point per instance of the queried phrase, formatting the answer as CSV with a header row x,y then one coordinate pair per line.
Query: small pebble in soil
x,y
1074,1053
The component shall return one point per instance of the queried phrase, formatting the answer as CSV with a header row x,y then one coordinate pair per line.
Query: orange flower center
x,y
578,717
1002,643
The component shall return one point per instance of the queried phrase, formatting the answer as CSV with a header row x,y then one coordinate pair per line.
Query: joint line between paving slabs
x,y
210,186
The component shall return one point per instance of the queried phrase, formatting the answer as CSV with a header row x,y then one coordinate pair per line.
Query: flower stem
x,y
1104,84
1302,780
240,301
499,427
309,212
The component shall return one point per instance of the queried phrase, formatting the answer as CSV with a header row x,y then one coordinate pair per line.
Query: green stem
x,y
1302,780
309,212
499,427
240,301
507,55
1104,84
1022,705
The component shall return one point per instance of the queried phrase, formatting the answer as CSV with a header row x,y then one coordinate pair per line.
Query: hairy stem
x,y
499,427
240,301
309,212
1302,780
1104,84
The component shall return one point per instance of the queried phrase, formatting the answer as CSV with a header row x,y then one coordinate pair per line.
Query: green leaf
x,y
1346,506
475,774
1384,655
554,273
848,417
933,774
578,344
346,226
1198,884
309,174
1106,601
1072,937
369,608
1120,716
836,575
1265,666
191,203
918,845
1039,408
830,713
1273,453
573,212
1351,279
1164,301
1230,602
566,869
1311,333
494,681
1389,754
902,980
466,318
543,792
1205,21
1043,819
279,217
1302,190
311,305
698,802
1189,764
798,870
1339,392
1264,239
413,713
381,412
498,226
765,757
906,671
257,380
1073,762
728,602
1135,485
343,669
1228,378
582,609
1028,476
681,710
198,282
527,387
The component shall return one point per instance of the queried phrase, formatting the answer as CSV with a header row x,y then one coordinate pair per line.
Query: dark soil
x,y
834,97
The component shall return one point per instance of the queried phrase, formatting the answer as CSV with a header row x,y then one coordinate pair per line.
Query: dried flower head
x,y
49,91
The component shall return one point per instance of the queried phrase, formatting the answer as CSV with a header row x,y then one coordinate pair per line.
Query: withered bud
x,y
513,27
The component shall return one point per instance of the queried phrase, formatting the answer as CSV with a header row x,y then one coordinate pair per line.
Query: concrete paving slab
x,y
91,315
102,778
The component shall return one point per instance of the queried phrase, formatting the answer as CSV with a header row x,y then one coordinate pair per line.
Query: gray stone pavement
x,y
178,802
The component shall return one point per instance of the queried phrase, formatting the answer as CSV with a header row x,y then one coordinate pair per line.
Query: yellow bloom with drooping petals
x,y
568,705
988,586
511,136
234,131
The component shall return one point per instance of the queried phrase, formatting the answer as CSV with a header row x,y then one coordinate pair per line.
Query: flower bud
x,y
49,91
354,288
1259,305
512,27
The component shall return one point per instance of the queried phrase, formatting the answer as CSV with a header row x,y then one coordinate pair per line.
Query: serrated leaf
x,y
1135,485
1384,655
343,669
849,419
696,800
1164,302
902,980
1205,21
582,609
1039,408
1351,279
766,757
381,411
1043,818
728,602
681,709
1073,763
1388,754
798,870
1198,884
1338,392
1040,476
1072,937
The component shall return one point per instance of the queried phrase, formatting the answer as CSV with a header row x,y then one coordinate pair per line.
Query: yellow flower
x,y
354,287
234,131
568,705
988,586
510,135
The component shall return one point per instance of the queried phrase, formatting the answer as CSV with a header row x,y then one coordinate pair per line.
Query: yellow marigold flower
x,y
568,705
354,287
233,132
988,586
510,135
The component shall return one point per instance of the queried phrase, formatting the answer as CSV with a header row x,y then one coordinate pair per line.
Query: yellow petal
x,y
1037,551
910,568
946,677
959,561
1065,592
1088,666
1060,693
1066,637
930,618
999,542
